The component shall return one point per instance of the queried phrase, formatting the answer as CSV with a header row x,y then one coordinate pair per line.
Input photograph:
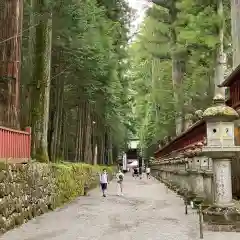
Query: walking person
x,y
104,181
120,177
140,172
148,170
135,173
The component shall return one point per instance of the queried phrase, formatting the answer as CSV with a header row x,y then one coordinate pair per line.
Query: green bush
x,y
72,178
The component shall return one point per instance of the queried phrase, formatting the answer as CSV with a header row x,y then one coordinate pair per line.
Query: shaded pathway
x,y
146,212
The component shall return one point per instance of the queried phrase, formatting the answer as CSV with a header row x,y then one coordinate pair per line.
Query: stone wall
x,y
187,176
25,192
30,190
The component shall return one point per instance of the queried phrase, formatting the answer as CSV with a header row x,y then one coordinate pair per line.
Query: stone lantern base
x,y
222,219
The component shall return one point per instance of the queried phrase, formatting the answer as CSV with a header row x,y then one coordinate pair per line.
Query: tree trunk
x,y
110,149
55,105
178,70
83,130
95,154
235,20
64,142
78,133
41,78
88,135
63,136
28,88
178,64
95,124
221,56
10,49
59,135
101,144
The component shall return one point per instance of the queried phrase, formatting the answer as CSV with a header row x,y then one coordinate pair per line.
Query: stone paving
x,y
147,211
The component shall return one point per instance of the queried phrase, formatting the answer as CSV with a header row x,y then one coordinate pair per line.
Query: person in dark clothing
x,y
140,172
135,173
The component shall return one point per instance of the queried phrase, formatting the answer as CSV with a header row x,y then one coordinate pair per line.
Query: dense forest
x,y
73,86
182,53
85,86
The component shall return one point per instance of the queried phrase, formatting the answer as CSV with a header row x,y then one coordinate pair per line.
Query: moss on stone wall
x,y
30,190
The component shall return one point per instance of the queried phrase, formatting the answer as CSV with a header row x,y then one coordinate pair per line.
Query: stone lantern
x,y
221,148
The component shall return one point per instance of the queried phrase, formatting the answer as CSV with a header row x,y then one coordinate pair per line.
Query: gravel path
x,y
145,212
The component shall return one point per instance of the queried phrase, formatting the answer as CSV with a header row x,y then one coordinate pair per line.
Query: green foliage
x,y
189,31
95,53
89,56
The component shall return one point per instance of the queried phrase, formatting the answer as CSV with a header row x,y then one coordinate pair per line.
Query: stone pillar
x,y
186,179
206,168
221,148
208,186
197,181
188,166
223,182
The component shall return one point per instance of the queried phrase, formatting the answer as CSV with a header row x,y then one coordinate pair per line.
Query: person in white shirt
x,y
119,177
148,172
104,181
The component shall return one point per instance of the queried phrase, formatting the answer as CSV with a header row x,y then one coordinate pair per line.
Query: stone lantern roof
x,y
219,110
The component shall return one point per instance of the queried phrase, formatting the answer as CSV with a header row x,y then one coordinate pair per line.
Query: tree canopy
x,y
89,105
173,63
85,88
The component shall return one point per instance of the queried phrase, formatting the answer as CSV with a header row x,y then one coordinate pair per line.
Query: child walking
x,y
148,170
120,177
104,181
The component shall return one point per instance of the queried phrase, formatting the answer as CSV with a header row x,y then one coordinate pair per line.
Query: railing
x,y
15,146
194,134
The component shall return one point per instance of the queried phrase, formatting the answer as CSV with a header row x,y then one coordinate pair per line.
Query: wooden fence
x,y
15,145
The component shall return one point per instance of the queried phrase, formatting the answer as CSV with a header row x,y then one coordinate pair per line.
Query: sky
x,y
140,7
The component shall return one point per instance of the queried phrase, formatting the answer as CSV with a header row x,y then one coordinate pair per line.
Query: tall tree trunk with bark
x,y
235,20
11,13
178,70
27,87
110,148
101,144
178,64
94,138
63,136
41,77
88,135
78,135
56,107
221,56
